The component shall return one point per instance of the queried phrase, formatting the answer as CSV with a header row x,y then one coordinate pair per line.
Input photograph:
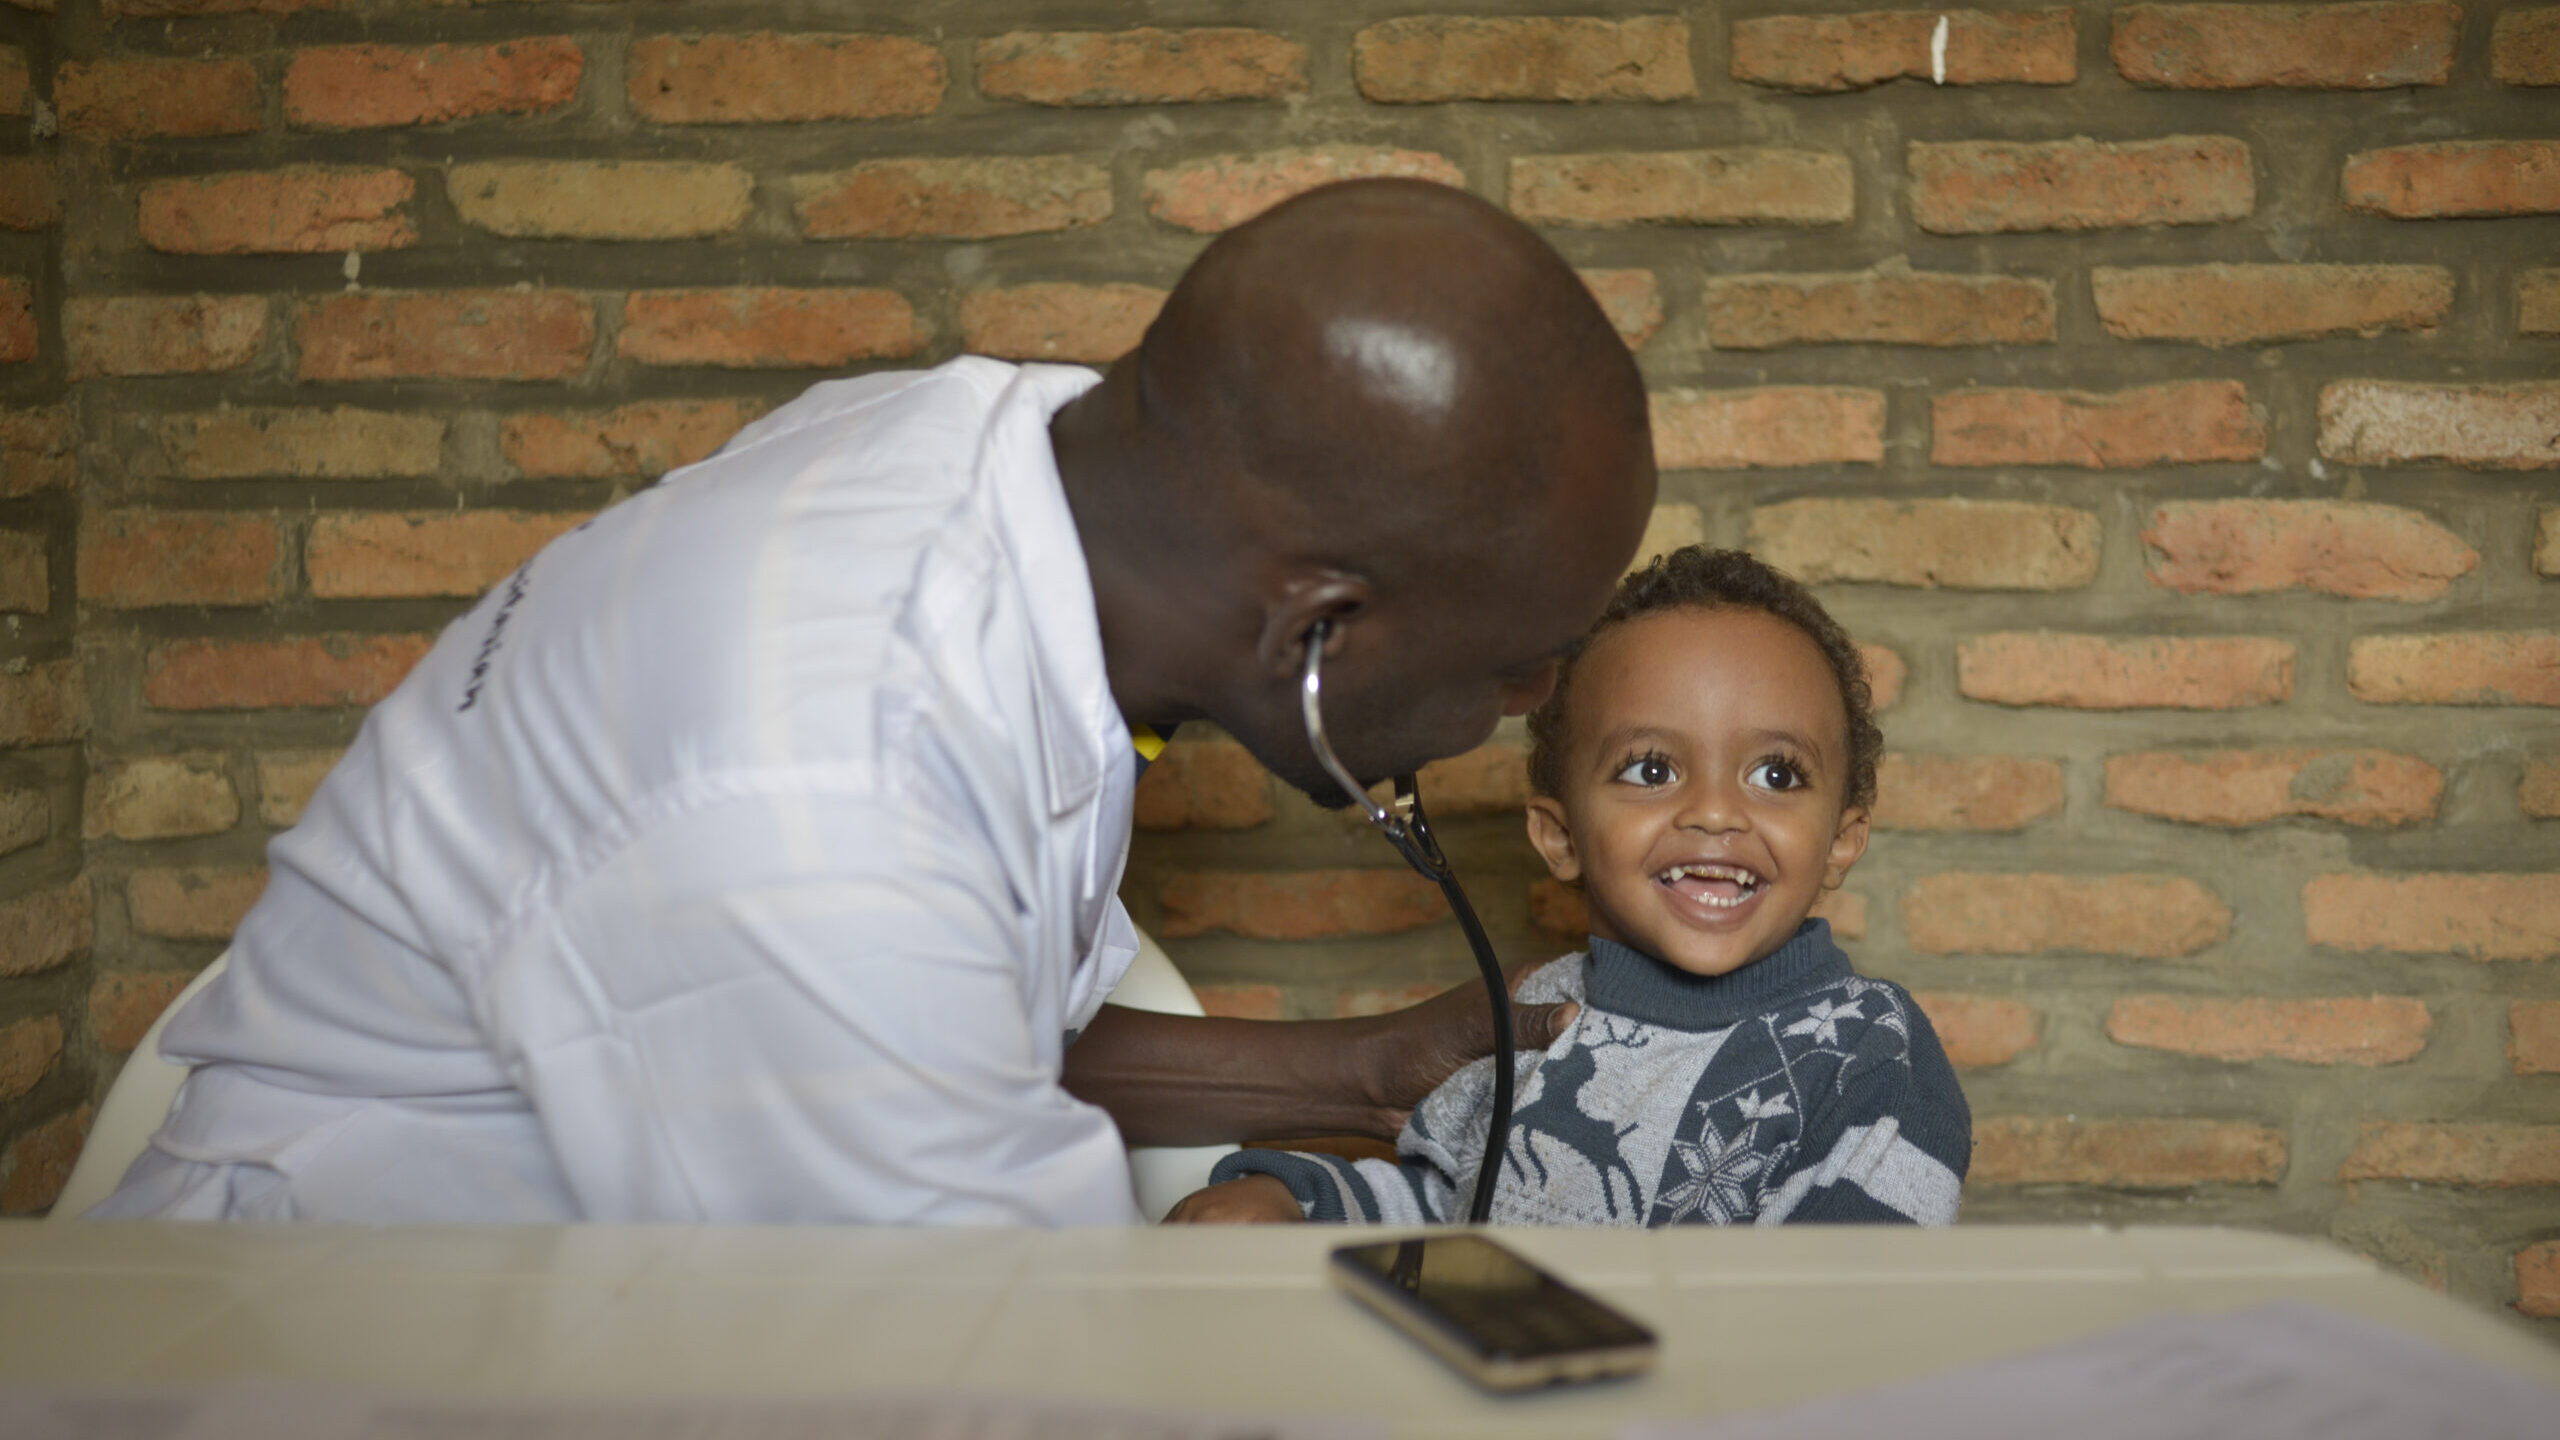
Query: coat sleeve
x,y
806,1005
1893,1143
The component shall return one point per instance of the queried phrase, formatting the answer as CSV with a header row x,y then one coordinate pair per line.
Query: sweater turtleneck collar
x,y
1626,981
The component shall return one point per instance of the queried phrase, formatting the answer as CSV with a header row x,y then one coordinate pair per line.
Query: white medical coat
x,y
746,856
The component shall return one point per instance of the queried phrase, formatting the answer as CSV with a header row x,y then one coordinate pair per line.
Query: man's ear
x,y
1295,605
1553,838
1848,842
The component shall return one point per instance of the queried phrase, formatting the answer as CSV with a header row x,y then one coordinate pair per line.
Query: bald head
x,y
1386,416
1386,351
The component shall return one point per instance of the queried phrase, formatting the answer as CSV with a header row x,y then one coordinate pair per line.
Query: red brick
x,y
2221,305
17,322
1204,785
2124,1154
39,1161
159,797
27,1052
970,198
1632,299
29,198
2253,547
1965,792
286,780
2524,49
17,84
2251,787
41,930
147,99
372,557
1958,544
2101,672
1299,905
2379,1030
36,451
1885,674
1091,324
2538,1272
640,441
162,334
26,818
2539,793
2487,1156
1491,779
1737,186
2475,668
1140,67
1979,1031
1846,911
2299,47
358,87
1888,305
2480,427
755,329
154,9
1985,187
1241,1002
340,444
1819,54
2533,1037
193,904
446,335
2485,917
2538,302
314,673
303,210
1772,427
2454,179
134,559
44,703
123,1005
26,576
2150,916
781,79
1225,191
2191,422
1428,59
601,199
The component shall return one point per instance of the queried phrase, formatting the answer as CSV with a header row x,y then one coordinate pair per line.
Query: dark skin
x,y
1389,407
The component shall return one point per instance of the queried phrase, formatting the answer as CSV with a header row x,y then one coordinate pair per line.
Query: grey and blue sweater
x,y
1789,1090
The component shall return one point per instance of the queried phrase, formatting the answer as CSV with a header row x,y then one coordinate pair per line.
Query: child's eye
x,y
1648,771
1778,775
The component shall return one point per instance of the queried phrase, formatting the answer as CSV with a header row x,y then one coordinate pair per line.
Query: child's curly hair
x,y
1697,577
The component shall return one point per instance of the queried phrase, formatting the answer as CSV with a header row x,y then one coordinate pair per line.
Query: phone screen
x,y
1498,1305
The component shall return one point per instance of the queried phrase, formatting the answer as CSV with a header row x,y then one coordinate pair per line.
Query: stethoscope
x,y
1410,832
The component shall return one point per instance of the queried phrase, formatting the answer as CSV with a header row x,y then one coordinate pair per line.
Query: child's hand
x,y
1253,1200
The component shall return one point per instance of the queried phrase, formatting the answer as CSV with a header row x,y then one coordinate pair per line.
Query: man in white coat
x,y
751,853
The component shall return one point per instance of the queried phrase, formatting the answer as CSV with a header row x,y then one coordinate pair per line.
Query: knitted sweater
x,y
1789,1090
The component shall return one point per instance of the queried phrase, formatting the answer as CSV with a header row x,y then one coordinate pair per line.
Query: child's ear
x,y
1553,838
1848,842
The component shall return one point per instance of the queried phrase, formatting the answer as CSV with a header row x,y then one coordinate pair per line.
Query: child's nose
x,y
1713,806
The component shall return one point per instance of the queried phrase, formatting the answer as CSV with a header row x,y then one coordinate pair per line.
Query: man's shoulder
x,y
958,394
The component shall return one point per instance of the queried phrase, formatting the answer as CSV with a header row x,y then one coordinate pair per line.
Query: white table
x,y
1209,1318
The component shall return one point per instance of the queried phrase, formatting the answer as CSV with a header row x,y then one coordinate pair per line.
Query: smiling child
x,y
1703,772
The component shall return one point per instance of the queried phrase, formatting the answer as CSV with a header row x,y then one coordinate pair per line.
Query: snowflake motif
x,y
1721,1172
1822,1021
1755,1108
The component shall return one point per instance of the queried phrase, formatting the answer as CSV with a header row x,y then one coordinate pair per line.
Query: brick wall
x,y
2163,393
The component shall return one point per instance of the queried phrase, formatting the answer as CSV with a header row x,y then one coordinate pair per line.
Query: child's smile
x,y
1705,768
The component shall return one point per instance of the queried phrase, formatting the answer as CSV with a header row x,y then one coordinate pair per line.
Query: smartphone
x,y
1503,1322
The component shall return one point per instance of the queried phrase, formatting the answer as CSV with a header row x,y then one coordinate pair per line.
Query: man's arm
x,y
1183,1080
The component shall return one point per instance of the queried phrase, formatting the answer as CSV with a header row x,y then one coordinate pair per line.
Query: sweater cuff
x,y
1317,1185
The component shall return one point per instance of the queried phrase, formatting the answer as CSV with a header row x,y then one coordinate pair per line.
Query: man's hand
x,y
1182,1080
1434,1040
1253,1200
